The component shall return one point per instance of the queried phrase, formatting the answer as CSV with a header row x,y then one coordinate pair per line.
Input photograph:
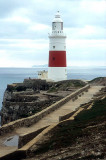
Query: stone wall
x,y
35,118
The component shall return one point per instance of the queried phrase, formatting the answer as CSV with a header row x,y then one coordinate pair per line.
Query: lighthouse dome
x,y
57,17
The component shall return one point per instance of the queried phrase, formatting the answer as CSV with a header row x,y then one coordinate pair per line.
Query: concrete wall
x,y
61,118
35,118
16,155
25,138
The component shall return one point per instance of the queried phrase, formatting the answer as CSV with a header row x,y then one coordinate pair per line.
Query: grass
x,y
52,89
98,110
64,85
96,79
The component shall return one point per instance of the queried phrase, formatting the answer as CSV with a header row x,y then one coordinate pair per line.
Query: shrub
x,y
20,88
10,88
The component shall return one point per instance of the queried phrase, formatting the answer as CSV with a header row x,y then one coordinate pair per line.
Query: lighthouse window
x,y
53,25
53,58
61,25
53,46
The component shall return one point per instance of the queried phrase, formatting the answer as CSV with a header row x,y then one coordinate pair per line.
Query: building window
x,y
53,47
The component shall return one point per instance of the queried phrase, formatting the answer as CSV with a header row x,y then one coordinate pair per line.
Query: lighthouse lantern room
x,y
57,70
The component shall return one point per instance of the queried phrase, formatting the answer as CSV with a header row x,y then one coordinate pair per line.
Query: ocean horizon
x,y
17,75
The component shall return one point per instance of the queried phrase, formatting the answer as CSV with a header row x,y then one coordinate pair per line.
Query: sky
x,y
25,24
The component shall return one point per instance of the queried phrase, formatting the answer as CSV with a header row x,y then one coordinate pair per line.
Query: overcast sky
x,y
25,24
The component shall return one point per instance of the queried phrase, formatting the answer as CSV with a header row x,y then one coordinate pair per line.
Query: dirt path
x,y
50,118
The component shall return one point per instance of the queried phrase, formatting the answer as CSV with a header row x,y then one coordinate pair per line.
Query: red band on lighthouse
x,y
57,58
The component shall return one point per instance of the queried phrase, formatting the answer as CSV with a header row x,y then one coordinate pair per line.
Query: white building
x,y
43,75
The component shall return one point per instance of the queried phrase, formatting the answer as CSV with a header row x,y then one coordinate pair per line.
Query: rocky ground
x,y
81,139
33,95
98,81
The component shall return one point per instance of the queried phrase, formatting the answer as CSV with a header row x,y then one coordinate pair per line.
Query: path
x,y
50,118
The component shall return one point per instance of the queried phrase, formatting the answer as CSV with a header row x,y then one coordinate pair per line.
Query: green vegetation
x,y
97,111
70,83
16,87
10,88
43,85
65,85
24,115
20,88
96,79
52,89
79,84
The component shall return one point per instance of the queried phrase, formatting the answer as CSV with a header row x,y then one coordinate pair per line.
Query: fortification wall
x,y
35,118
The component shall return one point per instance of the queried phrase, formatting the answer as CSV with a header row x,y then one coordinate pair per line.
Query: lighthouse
x,y
57,67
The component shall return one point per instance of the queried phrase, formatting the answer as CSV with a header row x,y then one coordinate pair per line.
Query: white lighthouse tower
x,y
57,70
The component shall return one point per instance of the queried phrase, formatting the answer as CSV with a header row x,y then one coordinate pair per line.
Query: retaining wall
x,y
25,138
61,118
35,118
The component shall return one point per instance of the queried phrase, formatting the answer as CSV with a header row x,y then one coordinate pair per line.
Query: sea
x,y
16,75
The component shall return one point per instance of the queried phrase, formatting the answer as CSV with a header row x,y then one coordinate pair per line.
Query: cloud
x,y
86,52
87,32
24,28
7,7
29,51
